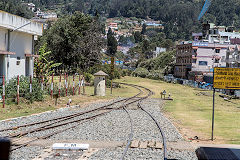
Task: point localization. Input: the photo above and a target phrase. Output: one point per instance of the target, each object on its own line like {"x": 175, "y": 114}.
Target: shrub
{"x": 115, "y": 85}
{"x": 107, "y": 69}
{"x": 88, "y": 77}
{"x": 126, "y": 72}
{"x": 24, "y": 89}
{"x": 140, "y": 72}
{"x": 155, "y": 74}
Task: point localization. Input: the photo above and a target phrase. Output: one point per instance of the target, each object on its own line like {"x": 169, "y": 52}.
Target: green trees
{"x": 42, "y": 66}
{"x": 138, "y": 37}
{"x": 144, "y": 28}
{"x": 15, "y": 7}
{"x": 111, "y": 51}
{"x": 111, "y": 43}
{"x": 75, "y": 41}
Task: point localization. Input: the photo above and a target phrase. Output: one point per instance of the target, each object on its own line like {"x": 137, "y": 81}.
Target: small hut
{"x": 99, "y": 83}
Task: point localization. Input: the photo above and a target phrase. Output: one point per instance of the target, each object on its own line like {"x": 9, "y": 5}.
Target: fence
{"x": 55, "y": 86}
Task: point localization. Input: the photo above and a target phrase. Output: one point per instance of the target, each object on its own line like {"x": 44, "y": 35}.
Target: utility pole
{"x": 112, "y": 72}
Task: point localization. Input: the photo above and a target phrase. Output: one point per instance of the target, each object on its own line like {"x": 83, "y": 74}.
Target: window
{"x": 18, "y": 61}
{"x": 203, "y": 63}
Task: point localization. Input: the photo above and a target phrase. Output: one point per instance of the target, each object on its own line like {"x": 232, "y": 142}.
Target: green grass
{"x": 24, "y": 108}
{"x": 193, "y": 112}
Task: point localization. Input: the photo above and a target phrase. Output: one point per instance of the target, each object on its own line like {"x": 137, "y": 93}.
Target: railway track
{"x": 18, "y": 140}
{"x": 61, "y": 121}
{"x": 149, "y": 114}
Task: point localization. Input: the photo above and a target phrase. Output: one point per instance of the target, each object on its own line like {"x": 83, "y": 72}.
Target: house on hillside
{"x": 17, "y": 36}
{"x": 31, "y": 6}
{"x": 158, "y": 50}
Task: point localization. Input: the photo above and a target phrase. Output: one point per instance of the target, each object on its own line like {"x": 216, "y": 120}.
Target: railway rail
{"x": 149, "y": 114}
{"x": 53, "y": 122}
{"x": 69, "y": 119}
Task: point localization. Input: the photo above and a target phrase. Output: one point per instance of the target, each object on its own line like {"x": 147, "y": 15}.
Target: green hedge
{"x": 140, "y": 72}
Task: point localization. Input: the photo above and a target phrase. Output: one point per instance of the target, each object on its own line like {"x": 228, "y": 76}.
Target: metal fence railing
{"x": 27, "y": 87}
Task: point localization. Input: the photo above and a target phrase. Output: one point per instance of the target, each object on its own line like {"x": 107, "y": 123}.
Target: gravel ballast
{"x": 141, "y": 154}
{"x": 113, "y": 126}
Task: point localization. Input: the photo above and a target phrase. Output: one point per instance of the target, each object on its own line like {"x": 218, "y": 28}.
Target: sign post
{"x": 213, "y": 113}
{"x": 224, "y": 78}
{"x": 112, "y": 71}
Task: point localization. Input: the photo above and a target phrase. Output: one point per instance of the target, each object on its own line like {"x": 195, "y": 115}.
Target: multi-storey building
{"x": 208, "y": 50}
{"x": 183, "y": 60}
{"x": 196, "y": 58}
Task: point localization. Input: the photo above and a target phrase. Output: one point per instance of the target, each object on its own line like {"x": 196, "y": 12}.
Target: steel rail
{"x": 69, "y": 116}
{"x": 51, "y": 134}
{"x": 156, "y": 122}
{"x": 88, "y": 118}
{"x": 45, "y": 127}
{"x": 130, "y": 135}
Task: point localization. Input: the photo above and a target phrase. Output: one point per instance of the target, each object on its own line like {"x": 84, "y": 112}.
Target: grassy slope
{"x": 193, "y": 112}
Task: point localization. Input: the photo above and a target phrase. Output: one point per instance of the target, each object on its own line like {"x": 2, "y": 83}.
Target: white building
{"x": 99, "y": 83}
{"x": 17, "y": 45}
{"x": 31, "y": 6}
{"x": 49, "y": 15}
{"x": 220, "y": 34}
{"x": 158, "y": 51}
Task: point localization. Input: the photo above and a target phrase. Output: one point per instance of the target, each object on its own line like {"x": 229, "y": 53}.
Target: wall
{"x": 3, "y": 39}
{"x": 21, "y": 44}
{"x": 1, "y": 65}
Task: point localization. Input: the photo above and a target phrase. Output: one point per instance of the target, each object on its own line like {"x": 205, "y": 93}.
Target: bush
{"x": 140, "y": 72}
{"x": 126, "y": 72}
{"x": 155, "y": 74}
{"x": 24, "y": 89}
{"x": 107, "y": 69}
{"x": 88, "y": 77}
{"x": 115, "y": 85}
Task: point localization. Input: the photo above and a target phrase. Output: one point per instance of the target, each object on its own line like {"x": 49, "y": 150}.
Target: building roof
{"x": 100, "y": 73}
{"x": 12, "y": 22}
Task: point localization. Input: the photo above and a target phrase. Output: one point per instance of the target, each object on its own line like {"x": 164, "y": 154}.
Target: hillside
{"x": 179, "y": 17}
{"x": 15, "y": 7}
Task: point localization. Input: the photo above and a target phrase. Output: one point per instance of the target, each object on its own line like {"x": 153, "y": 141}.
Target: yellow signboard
{"x": 226, "y": 78}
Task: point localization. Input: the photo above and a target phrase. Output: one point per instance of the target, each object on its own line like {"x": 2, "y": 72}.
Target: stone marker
{"x": 99, "y": 83}
{"x": 135, "y": 144}
{"x": 72, "y": 146}
{"x": 143, "y": 144}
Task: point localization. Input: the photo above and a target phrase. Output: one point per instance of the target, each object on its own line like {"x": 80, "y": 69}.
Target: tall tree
{"x": 112, "y": 50}
{"x": 111, "y": 43}
{"x": 144, "y": 28}
{"x": 75, "y": 40}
